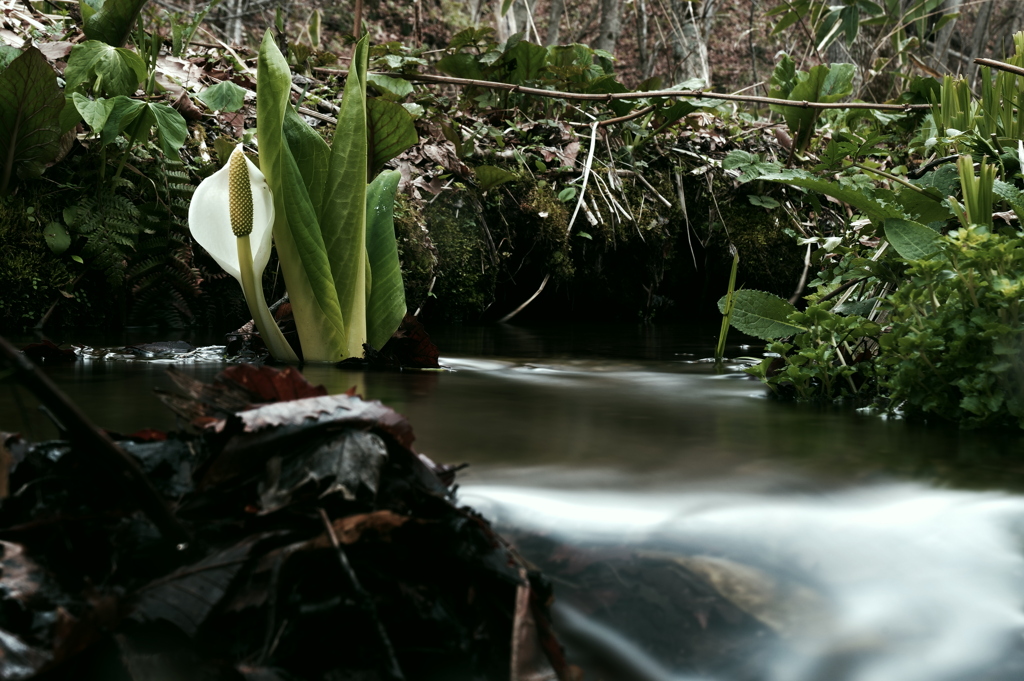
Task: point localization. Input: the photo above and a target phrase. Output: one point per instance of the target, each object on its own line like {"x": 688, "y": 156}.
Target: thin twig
{"x": 803, "y": 277}
{"x": 671, "y": 94}
{"x": 1001, "y": 65}
{"x": 529, "y": 300}
{"x": 586, "y": 175}
{"x": 366, "y": 600}
{"x": 643, "y": 180}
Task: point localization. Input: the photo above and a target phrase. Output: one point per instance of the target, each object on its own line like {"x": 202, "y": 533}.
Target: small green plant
{"x": 822, "y": 83}
{"x": 956, "y": 347}
{"x": 109, "y": 225}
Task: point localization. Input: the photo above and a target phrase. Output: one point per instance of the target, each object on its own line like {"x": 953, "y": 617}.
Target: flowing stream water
{"x": 653, "y": 489}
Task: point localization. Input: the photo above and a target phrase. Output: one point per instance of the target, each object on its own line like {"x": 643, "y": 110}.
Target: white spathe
{"x": 209, "y": 219}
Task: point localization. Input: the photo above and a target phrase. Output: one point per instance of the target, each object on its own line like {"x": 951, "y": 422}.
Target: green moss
{"x": 770, "y": 259}
{"x": 31, "y": 276}
{"x": 465, "y": 268}
{"x": 416, "y": 252}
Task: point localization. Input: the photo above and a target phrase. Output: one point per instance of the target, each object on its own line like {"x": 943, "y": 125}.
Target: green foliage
{"x": 184, "y": 26}
{"x": 760, "y": 314}
{"x": 224, "y": 96}
{"x": 830, "y": 21}
{"x": 30, "y": 106}
{"x": 104, "y": 70}
{"x": 821, "y": 362}
{"x": 31, "y": 275}
{"x": 488, "y": 177}
{"x": 325, "y": 242}
{"x": 825, "y": 84}
{"x": 109, "y": 224}
{"x": 922, "y": 322}
{"x": 390, "y": 132}
{"x": 110, "y": 21}
{"x": 911, "y": 240}
{"x": 57, "y": 237}
{"x": 109, "y": 118}
{"x": 164, "y": 282}
{"x": 385, "y": 305}
{"x": 957, "y": 339}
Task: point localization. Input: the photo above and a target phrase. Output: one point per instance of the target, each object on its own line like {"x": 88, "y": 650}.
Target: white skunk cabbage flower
{"x": 232, "y": 217}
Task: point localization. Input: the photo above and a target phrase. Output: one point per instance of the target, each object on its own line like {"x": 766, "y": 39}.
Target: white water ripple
{"x": 920, "y": 584}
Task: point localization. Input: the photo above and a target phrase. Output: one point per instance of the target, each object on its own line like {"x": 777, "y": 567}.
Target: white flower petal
{"x": 209, "y": 220}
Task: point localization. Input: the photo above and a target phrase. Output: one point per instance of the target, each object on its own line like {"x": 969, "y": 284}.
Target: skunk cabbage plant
{"x": 231, "y": 216}
{"x": 334, "y": 232}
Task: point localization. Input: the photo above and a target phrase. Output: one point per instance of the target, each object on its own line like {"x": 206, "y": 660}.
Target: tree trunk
{"x": 943, "y": 39}
{"x": 505, "y": 26}
{"x": 640, "y": 6}
{"x": 522, "y": 10}
{"x": 611, "y": 25}
{"x": 690, "y": 29}
{"x": 979, "y": 38}
{"x": 554, "y": 21}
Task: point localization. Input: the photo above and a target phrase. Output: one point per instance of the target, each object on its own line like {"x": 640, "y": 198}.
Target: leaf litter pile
{"x": 302, "y": 538}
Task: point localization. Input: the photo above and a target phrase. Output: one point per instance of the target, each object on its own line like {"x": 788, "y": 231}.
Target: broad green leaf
{"x": 761, "y": 314}
{"x": 869, "y": 206}
{"x": 57, "y": 237}
{"x": 113, "y": 22}
{"x": 171, "y": 129}
{"x": 123, "y": 112}
{"x": 391, "y": 131}
{"x": 738, "y": 158}
{"x": 109, "y": 71}
{"x": 821, "y": 84}
{"x": 488, "y": 177}
{"x": 529, "y": 59}
{"x": 460, "y": 65}
{"x": 606, "y": 85}
{"x": 783, "y": 78}
{"x": 912, "y": 240}
{"x": 395, "y": 89}
{"x": 505, "y": 5}
{"x": 343, "y": 216}
{"x": 30, "y": 107}
{"x": 925, "y": 207}
{"x": 838, "y": 82}
{"x": 69, "y": 116}
{"x": 311, "y": 154}
{"x": 93, "y": 111}
{"x": 224, "y": 96}
{"x": 89, "y": 8}
{"x": 300, "y": 245}
{"x": 385, "y": 304}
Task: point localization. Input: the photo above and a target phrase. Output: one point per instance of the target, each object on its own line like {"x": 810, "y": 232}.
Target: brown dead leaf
{"x": 186, "y": 107}
{"x": 375, "y": 526}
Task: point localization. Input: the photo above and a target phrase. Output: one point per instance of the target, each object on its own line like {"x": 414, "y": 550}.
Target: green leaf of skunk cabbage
{"x": 300, "y": 246}
{"x": 343, "y": 217}
{"x": 385, "y": 301}
{"x": 113, "y": 22}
